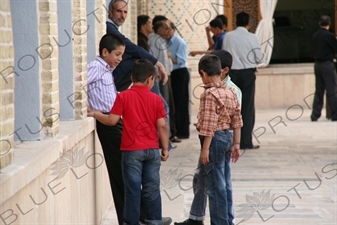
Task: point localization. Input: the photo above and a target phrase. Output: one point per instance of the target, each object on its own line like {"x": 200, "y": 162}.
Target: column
{"x": 49, "y": 73}
{"x": 79, "y": 29}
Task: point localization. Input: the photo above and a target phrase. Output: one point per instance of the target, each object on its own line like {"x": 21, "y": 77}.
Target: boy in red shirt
{"x": 144, "y": 116}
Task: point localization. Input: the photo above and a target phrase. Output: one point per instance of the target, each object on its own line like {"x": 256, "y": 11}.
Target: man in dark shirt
{"x": 144, "y": 28}
{"x": 118, "y": 10}
{"x": 325, "y": 48}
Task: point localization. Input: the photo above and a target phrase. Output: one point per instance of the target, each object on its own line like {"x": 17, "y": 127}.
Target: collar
{"x": 242, "y": 29}
{"x": 110, "y": 21}
{"x": 210, "y": 85}
{"x": 227, "y": 78}
{"x": 140, "y": 87}
{"x": 104, "y": 64}
{"x": 172, "y": 38}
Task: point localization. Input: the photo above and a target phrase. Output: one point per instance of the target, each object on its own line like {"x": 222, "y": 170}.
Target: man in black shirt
{"x": 325, "y": 48}
{"x": 144, "y": 28}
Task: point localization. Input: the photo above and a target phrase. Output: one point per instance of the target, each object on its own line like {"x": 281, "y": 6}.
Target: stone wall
{"x": 59, "y": 176}
{"x": 6, "y": 85}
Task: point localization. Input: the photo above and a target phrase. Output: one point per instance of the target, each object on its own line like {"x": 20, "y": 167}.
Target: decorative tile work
{"x": 248, "y": 6}
{"x": 190, "y": 17}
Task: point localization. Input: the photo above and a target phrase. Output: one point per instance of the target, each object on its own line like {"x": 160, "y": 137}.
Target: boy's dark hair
{"x": 223, "y": 19}
{"x": 324, "y": 21}
{"x": 210, "y": 64}
{"x": 110, "y": 42}
{"x": 216, "y": 23}
{"x": 158, "y": 25}
{"x": 141, "y": 20}
{"x": 158, "y": 18}
{"x": 142, "y": 69}
{"x": 225, "y": 57}
{"x": 242, "y": 19}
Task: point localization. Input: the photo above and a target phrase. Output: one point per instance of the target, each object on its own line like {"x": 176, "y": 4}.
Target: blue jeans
{"x": 214, "y": 180}
{"x": 155, "y": 89}
{"x": 142, "y": 184}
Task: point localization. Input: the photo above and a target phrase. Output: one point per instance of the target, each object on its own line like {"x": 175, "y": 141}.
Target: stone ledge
{"x": 287, "y": 69}
{"x": 31, "y": 158}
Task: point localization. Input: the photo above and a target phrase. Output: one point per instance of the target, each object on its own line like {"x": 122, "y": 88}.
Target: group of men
{"x": 159, "y": 39}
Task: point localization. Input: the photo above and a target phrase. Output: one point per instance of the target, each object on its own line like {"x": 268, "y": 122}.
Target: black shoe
{"x": 183, "y": 137}
{"x": 175, "y": 139}
{"x": 166, "y": 221}
{"x": 252, "y": 148}
{"x": 190, "y": 222}
{"x": 313, "y": 119}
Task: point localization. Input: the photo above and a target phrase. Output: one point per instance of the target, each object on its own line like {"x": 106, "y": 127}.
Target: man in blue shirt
{"x": 180, "y": 78}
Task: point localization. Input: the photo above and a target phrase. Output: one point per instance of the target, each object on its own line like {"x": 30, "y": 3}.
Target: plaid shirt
{"x": 219, "y": 110}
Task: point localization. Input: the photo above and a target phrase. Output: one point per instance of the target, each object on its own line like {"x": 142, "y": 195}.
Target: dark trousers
{"x": 245, "y": 80}
{"x": 180, "y": 79}
{"x": 172, "y": 109}
{"x": 110, "y": 138}
{"x": 325, "y": 80}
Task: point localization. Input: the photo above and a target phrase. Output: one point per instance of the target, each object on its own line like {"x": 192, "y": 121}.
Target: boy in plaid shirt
{"x": 219, "y": 111}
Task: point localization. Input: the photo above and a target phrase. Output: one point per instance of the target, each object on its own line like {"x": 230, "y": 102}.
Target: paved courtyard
{"x": 291, "y": 179}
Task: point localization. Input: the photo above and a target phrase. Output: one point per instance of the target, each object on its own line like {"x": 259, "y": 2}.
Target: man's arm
{"x": 258, "y": 53}
{"x": 194, "y": 53}
{"x": 135, "y": 51}
{"x": 181, "y": 54}
{"x": 158, "y": 50}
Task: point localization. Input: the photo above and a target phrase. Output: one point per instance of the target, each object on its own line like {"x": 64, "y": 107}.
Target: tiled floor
{"x": 291, "y": 179}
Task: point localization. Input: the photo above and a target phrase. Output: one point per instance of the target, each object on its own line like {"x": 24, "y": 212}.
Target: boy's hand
{"x": 91, "y": 113}
{"x": 164, "y": 155}
{"x": 204, "y": 156}
{"x": 235, "y": 153}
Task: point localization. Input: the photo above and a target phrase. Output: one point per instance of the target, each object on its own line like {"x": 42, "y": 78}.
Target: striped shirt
{"x": 233, "y": 87}
{"x": 101, "y": 87}
{"x": 219, "y": 110}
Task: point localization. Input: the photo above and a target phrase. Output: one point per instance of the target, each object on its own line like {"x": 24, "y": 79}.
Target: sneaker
{"x": 190, "y": 222}
{"x": 167, "y": 220}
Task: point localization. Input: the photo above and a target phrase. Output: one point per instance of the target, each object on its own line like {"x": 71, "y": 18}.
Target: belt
{"x": 325, "y": 60}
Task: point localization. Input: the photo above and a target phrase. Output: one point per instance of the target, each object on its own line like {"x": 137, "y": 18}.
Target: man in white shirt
{"x": 246, "y": 51}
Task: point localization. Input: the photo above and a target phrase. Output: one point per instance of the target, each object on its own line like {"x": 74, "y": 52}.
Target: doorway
{"x": 295, "y": 21}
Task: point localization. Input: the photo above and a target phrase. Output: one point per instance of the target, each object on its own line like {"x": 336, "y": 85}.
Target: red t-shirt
{"x": 140, "y": 110}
